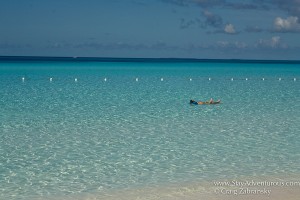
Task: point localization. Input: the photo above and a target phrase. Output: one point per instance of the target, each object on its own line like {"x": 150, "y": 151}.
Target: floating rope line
{"x": 190, "y": 79}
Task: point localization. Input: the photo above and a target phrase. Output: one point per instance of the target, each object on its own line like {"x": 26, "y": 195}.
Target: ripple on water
{"x": 62, "y": 137}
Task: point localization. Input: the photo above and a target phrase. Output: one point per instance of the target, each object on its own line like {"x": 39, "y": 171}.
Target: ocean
{"x": 83, "y": 130}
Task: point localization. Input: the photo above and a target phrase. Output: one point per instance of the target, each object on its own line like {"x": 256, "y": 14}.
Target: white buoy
{"x": 23, "y": 79}
{"x": 231, "y": 79}
{"x": 105, "y": 79}
{"x": 263, "y": 79}
{"x": 246, "y": 79}
{"x": 161, "y": 79}
{"x": 191, "y": 79}
{"x": 209, "y": 79}
{"x": 75, "y": 79}
{"x": 295, "y": 79}
{"x": 136, "y": 79}
{"x": 50, "y": 79}
{"x": 279, "y": 79}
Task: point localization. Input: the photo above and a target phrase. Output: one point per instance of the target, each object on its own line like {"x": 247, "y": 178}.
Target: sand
{"x": 206, "y": 191}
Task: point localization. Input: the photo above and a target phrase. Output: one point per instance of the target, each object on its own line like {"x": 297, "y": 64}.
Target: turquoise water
{"x": 62, "y": 137}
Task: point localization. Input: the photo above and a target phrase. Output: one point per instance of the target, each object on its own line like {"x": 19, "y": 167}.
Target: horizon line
{"x": 137, "y": 59}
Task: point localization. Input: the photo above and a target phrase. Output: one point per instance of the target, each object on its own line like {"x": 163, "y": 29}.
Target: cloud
{"x": 201, "y": 3}
{"x": 207, "y": 3}
{"x": 212, "y": 19}
{"x": 246, "y": 6}
{"x": 290, "y": 24}
{"x": 184, "y": 24}
{"x": 110, "y": 46}
{"x": 177, "y": 2}
{"x": 115, "y": 46}
{"x": 229, "y": 28}
{"x": 254, "y": 5}
{"x": 274, "y": 43}
{"x": 232, "y": 45}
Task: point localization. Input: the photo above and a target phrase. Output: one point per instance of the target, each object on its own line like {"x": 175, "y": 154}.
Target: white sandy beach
{"x": 288, "y": 190}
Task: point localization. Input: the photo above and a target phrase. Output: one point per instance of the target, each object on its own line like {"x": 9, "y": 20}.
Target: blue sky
{"x": 230, "y": 29}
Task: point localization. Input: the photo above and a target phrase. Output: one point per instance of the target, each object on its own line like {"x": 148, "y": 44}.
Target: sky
{"x": 204, "y": 29}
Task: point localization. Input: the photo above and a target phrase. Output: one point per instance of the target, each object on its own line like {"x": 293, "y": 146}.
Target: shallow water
{"x": 65, "y": 137}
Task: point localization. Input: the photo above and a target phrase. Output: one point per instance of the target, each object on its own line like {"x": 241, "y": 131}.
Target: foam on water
{"x": 64, "y": 137}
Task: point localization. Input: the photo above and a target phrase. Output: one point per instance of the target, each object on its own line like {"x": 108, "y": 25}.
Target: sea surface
{"x": 77, "y": 128}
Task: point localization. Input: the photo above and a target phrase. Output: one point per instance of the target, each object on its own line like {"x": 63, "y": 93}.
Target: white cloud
{"x": 274, "y": 42}
{"x": 229, "y": 28}
{"x": 290, "y": 24}
{"x": 233, "y": 45}
{"x": 223, "y": 44}
{"x": 240, "y": 45}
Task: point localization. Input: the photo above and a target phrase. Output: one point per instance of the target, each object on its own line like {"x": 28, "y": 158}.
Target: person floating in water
{"x": 211, "y": 101}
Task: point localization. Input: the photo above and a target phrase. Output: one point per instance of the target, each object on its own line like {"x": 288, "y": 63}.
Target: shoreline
{"x": 202, "y": 190}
